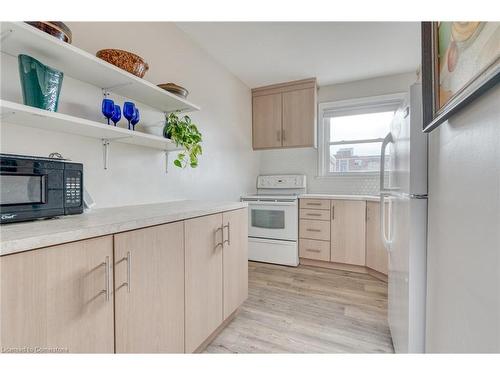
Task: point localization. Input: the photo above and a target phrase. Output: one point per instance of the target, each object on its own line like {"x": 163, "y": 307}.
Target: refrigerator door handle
{"x": 386, "y": 240}
{"x": 388, "y": 139}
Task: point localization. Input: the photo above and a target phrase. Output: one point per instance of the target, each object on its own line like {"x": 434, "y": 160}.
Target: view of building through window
{"x": 356, "y": 140}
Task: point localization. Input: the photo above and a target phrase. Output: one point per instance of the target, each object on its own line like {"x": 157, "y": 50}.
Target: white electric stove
{"x": 273, "y": 219}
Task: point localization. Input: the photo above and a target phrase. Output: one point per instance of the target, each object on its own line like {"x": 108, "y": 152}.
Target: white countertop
{"x": 17, "y": 237}
{"x": 373, "y": 198}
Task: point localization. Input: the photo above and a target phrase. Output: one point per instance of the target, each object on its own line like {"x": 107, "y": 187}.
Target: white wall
{"x": 464, "y": 230}
{"x": 305, "y": 160}
{"x": 228, "y": 166}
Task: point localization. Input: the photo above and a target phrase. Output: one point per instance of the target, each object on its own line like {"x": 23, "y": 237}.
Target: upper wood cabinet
{"x": 59, "y": 298}
{"x": 284, "y": 115}
{"x": 149, "y": 290}
{"x": 266, "y": 112}
{"x": 376, "y": 255}
{"x": 348, "y": 232}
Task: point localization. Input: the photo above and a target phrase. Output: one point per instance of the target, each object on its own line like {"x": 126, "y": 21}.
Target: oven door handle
{"x": 270, "y": 203}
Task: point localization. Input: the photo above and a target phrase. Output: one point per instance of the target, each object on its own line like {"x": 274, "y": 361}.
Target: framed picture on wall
{"x": 460, "y": 61}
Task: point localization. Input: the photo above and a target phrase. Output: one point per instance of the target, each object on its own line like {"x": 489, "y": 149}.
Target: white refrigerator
{"x": 403, "y": 190}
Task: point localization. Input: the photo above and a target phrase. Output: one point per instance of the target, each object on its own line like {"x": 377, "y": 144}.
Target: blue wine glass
{"x": 136, "y": 118}
{"x": 108, "y": 108}
{"x": 128, "y": 111}
{"x": 117, "y": 114}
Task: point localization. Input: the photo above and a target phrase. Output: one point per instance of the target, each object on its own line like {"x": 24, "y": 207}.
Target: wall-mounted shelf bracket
{"x": 106, "y": 91}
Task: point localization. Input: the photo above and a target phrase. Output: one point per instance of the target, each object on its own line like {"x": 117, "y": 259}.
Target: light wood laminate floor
{"x": 308, "y": 310}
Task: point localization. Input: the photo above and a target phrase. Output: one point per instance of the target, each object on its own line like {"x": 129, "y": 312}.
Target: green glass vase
{"x": 40, "y": 83}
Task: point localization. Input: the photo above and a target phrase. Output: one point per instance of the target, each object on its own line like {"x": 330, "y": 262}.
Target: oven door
{"x": 273, "y": 220}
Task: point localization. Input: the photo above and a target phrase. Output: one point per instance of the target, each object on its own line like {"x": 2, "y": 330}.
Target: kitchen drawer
{"x": 316, "y": 204}
{"x": 314, "y": 249}
{"x": 307, "y": 213}
{"x": 314, "y": 229}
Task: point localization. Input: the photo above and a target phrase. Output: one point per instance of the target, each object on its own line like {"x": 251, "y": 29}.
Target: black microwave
{"x": 36, "y": 188}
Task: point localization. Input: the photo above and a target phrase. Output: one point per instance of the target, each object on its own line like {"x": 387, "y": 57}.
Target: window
{"x": 351, "y": 135}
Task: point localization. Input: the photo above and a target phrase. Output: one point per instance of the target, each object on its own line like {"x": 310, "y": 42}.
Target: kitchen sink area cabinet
{"x": 58, "y": 299}
{"x": 348, "y": 232}
{"x": 284, "y": 115}
{"x": 149, "y": 289}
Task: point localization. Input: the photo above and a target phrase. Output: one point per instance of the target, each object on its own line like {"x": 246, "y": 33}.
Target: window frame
{"x": 359, "y": 106}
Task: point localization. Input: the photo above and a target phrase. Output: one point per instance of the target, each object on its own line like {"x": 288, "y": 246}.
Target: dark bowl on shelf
{"x": 125, "y": 60}
{"x": 174, "y": 89}
{"x": 55, "y": 28}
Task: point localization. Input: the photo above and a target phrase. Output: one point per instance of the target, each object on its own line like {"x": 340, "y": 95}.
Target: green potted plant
{"x": 185, "y": 134}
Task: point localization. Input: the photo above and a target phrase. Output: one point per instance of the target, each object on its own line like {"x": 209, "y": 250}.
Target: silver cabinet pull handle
{"x": 313, "y": 214}
{"x": 333, "y": 212}
{"x": 106, "y": 291}
{"x": 313, "y": 250}
{"x": 228, "y": 234}
{"x": 217, "y": 244}
{"x": 313, "y": 204}
{"x": 313, "y": 230}
{"x": 129, "y": 265}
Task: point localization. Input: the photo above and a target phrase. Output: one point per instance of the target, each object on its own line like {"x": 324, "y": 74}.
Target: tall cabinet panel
{"x": 59, "y": 298}
{"x": 149, "y": 290}
{"x": 376, "y": 254}
{"x": 203, "y": 278}
{"x": 348, "y": 232}
{"x": 235, "y": 259}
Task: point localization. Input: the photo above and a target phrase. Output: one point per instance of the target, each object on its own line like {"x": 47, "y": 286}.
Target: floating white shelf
{"x": 24, "y": 115}
{"x": 21, "y": 38}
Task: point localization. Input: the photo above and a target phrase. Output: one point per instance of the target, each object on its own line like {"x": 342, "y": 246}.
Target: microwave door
{"x": 23, "y": 189}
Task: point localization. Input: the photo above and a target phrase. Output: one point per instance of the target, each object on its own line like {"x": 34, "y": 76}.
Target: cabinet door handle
{"x": 313, "y": 204}
{"x": 129, "y": 269}
{"x": 333, "y": 212}
{"x": 278, "y": 135}
{"x": 313, "y": 250}
{"x": 217, "y": 244}
{"x": 309, "y": 214}
{"x": 106, "y": 291}
{"x": 228, "y": 234}
{"x": 313, "y": 230}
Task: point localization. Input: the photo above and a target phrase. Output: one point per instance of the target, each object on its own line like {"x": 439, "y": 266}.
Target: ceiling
{"x": 261, "y": 53}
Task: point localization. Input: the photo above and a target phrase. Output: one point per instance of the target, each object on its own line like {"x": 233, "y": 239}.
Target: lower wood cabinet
{"x": 348, "y": 232}
{"x": 235, "y": 259}
{"x": 376, "y": 254}
{"x": 204, "y": 294}
{"x": 216, "y": 272}
{"x": 59, "y": 298}
{"x": 149, "y": 290}
{"x": 160, "y": 289}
